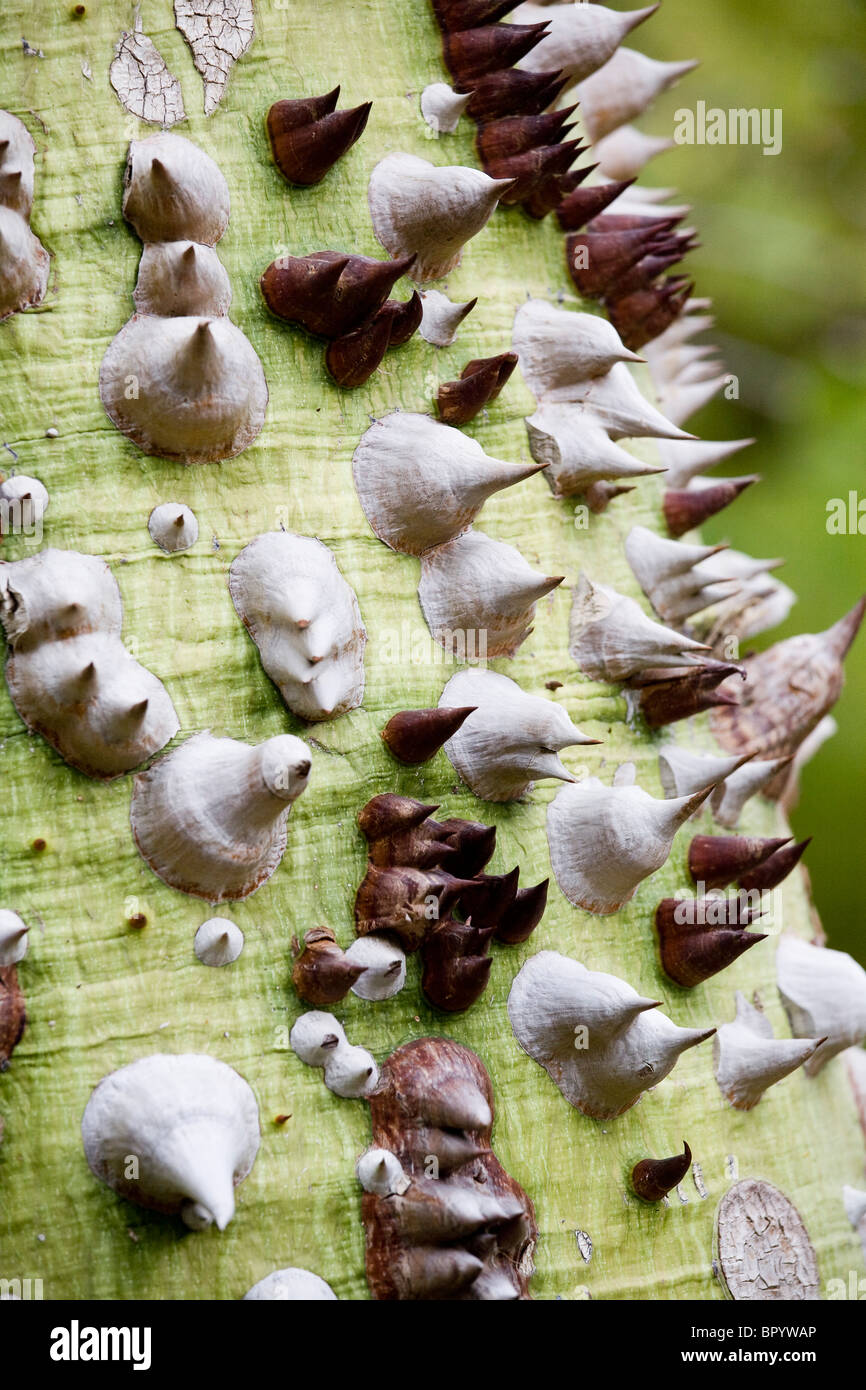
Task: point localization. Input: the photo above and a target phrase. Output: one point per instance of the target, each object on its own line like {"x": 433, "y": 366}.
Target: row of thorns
{"x": 618, "y": 259}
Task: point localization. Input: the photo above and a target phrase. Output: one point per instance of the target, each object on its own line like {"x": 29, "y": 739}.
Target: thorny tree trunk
{"x": 101, "y": 991}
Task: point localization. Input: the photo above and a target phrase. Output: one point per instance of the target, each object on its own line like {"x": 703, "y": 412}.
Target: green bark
{"x": 101, "y": 994}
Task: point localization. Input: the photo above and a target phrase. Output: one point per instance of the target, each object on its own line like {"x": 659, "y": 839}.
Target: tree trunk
{"x": 102, "y": 992}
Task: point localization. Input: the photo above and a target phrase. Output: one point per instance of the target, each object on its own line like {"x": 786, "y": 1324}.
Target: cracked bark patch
{"x": 143, "y": 83}
{"x": 218, "y": 32}
{"x": 764, "y": 1250}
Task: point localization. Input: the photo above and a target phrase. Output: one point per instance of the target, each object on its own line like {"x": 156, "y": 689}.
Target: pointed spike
{"x": 475, "y": 844}
{"x": 304, "y": 151}
{"x": 693, "y": 950}
{"x": 454, "y": 15}
{"x": 779, "y": 709}
{"x": 451, "y": 982}
{"x": 487, "y": 897}
{"x": 583, "y": 204}
{"x": 666, "y": 701}
{"x": 160, "y": 172}
{"x": 771, "y": 872}
{"x": 516, "y": 134}
{"x": 513, "y": 92}
{"x": 653, "y": 1178}
{"x": 330, "y": 293}
{"x": 687, "y": 460}
{"x": 717, "y": 860}
{"x": 414, "y": 736}
{"x": 683, "y": 772}
{"x": 298, "y": 111}
{"x": 322, "y": 973}
{"x": 693, "y": 1037}
{"x": 533, "y": 169}
{"x": 480, "y": 382}
{"x": 623, "y": 88}
{"x": 405, "y": 317}
{"x": 674, "y": 813}
{"x": 519, "y": 921}
{"x": 687, "y": 508}
{"x": 388, "y": 814}
{"x": 352, "y": 359}
{"x": 473, "y": 53}
{"x": 840, "y": 636}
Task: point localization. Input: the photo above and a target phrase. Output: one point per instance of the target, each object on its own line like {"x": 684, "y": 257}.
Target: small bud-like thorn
{"x": 414, "y": 736}
{"x": 773, "y": 870}
{"x": 693, "y": 950}
{"x": 686, "y": 508}
{"x": 519, "y": 921}
{"x": 308, "y": 136}
{"x": 160, "y": 174}
{"x": 330, "y": 293}
{"x": 480, "y": 382}
{"x": 517, "y": 134}
{"x": 513, "y": 92}
{"x": 717, "y": 860}
{"x": 654, "y": 1178}
{"x": 322, "y": 974}
{"x": 473, "y": 53}
{"x": 599, "y": 495}
{"x": 584, "y": 204}
{"x": 86, "y": 682}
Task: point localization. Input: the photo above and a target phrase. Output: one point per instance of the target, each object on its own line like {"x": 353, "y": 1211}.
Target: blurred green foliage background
{"x": 783, "y": 258}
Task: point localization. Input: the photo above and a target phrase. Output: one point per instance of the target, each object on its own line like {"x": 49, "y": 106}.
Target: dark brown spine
{"x": 413, "y": 736}
{"x": 480, "y": 382}
{"x": 718, "y": 860}
{"x": 653, "y": 1178}
{"x": 473, "y": 53}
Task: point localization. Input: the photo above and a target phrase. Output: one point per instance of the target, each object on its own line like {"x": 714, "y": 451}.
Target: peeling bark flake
{"x": 218, "y": 32}
{"x": 584, "y": 1245}
{"x": 763, "y": 1247}
{"x": 143, "y": 83}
